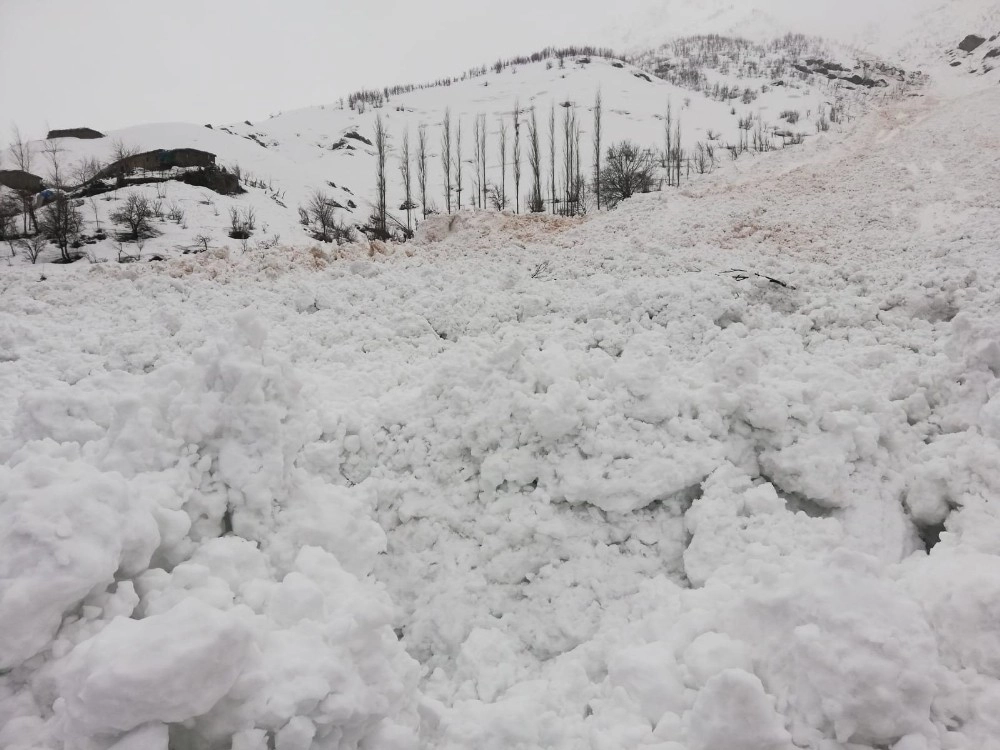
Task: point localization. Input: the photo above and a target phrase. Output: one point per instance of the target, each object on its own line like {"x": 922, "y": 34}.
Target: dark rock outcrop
{"x": 970, "y": 43}
{"x": 83, "y": 133}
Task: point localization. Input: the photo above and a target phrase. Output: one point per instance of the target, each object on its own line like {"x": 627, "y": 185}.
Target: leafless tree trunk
{"x": 503, "y": 161}
{"x": 579, "y": 187}
{"x": 668, "y": 154}
{"x": 406, "y": 174}
{"x": 517, "y": 156}
{"x": 535, "y": 204}
{"x": 446, "y": 157}
{"x": 481, "y": 145}
{"x": 422, "y": 167}
{"x": 478, "y": 169}
{"x": 598, "y": 116}
{"x": 678, "y": 152}
{"x": 381, "y": 154}
{"x": 458, "y": 163}
{"x": 552, "y": 156}
{"x": 569, "y": 161}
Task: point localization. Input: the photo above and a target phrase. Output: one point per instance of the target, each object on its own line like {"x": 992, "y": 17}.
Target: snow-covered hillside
{"x": 914, "y": 32}
{"x": 285, "y": 159}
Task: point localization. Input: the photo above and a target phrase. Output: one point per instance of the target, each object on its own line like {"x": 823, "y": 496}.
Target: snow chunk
{"x": 65, "y": 530}
{"x": 734, "y": 712}
{"x": 651, "y": 676}
{"x": 169, "y": 667}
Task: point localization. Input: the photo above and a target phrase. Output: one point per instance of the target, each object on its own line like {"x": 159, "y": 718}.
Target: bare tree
{"x": 535, "y": 202}
{"x": 477, "y": 164}
{"x": 570, "y": 191}
{"x": 20, "y": 151}
{"x": 136, "y": 215}
{"x": 406, "y": 174}
{"x": 628, "y": 170}
{"x": 446, "y": 157}
{"x": 668, "y": 152}
{"x": 552, "y": 156}
{"x": 61, "y": 219}
{"x": 120, "y": 155}
{"x": 422, "y": 167}
{"x": 502, "y": 152}
{"x": 381, "y": 155}
{"x": 319, "y": 211}
{"x": 32, "y": 246}
{"x": 10, "y": 209}
{"x": 86, "y": 170}
{"x": 481, "y": 147}
{"x": 598, "y": 117}
{"x": 458, "y": 163}
{"x": 678, "y": 153}
{"x": 517, "y": 156}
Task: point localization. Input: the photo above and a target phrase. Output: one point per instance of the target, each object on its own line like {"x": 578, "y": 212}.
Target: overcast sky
{"x": 111, "y": 63}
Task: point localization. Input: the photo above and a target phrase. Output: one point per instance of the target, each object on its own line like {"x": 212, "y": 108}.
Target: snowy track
{"x": 605, "y": 490}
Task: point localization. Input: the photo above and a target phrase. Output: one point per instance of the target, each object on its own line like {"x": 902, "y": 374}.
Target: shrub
{"x": 628, "y": 170}
{"x": 135, "y": 215}
{"x": 242, "y": 222}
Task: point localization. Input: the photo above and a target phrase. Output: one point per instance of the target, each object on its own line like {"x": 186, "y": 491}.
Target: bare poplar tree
{"x": 552, "y": 155}
{"x": 569, "y": 160}
{"x": 598, "y": 117}
{"x": 502, "y": 152}
{"x": 422, "y": 167}
{"x": 478, "y": 167}
{"x": 517, "y": 156}
{"x": 458, "y": 163}
{"x": 678, "y": 152}
{"x": 481, "y": 146}
{"x": 668, "y": 154}
{"x": 446, "y": 157}
{"x": 535, "y": 203}
{"x": 406, "y": 174}
{"x": 580, "y": 186}
{"x": 381, "y": 155}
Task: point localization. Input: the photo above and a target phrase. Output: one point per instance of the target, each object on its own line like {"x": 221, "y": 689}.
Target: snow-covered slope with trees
{"x": 720, "y": 91}
{"x": 914, "y": 32}
{"x": 715, "y": 469}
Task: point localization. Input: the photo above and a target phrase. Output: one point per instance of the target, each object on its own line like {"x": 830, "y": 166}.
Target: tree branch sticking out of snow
{"x": 739, "y": 274}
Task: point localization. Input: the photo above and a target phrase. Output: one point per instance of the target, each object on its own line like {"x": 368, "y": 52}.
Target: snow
{"x": 528, "y": 481}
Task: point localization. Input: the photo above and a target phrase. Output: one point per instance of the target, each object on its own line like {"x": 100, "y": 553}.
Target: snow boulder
{"x": 66, "y": 529}
{"x": 169, "y": 668}
{"x": 733, "y": 712}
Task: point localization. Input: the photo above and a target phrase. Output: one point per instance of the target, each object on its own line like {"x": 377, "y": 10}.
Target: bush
{"x": 242, "y": 223}
{"x": 135, "y": 215}
{"x": 628, "y": 170}
{"x": 790, "y": 115}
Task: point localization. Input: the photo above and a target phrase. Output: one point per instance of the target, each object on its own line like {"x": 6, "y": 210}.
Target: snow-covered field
{"x": 715, "y": 470}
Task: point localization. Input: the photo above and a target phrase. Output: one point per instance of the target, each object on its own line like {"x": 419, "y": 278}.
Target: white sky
{"x": 112, "y": 63}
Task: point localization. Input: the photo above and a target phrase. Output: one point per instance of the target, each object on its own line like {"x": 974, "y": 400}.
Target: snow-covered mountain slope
{"x": 717, "y": 469}
{"x": 285, "y": 159}
{"x": 913, "y": 32}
